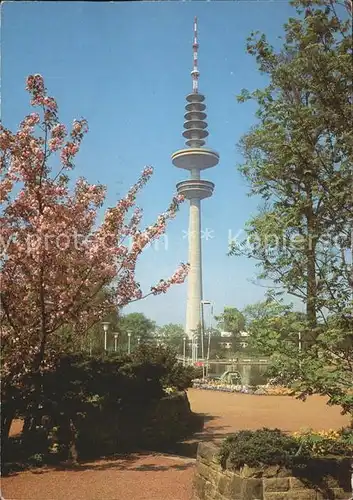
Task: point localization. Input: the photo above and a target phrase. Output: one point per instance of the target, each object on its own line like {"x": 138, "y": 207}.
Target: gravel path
{"x": 135, "y": 478}
{"x": 163, "y": 477}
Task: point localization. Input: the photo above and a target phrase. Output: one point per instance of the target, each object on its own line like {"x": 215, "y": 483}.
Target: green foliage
{"x": 175, "y": 374}
{"x": 266, "y": 447}
{"x": 276, "y": 325}
{"x": 172, "y": 335}
{"x": 138, "y": 325}
{"x": 231, "y": 320}
{"x": 298, "y": 158}
{"x": 94, "y": 404}
{"x": 258, "y": 448}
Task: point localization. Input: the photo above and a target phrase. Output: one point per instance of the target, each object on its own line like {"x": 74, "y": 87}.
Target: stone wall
{"x": 320, "y": 480}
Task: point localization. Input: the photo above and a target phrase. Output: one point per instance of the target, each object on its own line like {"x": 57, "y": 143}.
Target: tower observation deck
{"x": 195, "y": 158}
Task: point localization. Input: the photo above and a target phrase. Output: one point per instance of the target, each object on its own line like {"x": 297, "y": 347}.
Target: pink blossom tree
{"x": 55, "y": 257}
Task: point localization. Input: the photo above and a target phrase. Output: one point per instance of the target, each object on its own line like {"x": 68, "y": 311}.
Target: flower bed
{"x": 259, "y": 390}
{"x": 326, "y": 442}
{"x": 273, "y": 465}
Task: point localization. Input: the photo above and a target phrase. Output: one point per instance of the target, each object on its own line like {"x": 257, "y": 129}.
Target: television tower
{"x": 195, "y": 157}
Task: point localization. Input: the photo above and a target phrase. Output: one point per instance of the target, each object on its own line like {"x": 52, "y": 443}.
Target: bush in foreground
{"x": 100, "y": 405}
{"x": 267, "y": 447}
{"x": 260, "y": 447}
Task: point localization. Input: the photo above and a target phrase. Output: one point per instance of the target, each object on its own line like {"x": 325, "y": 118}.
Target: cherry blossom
{"x": 55, "y": 256}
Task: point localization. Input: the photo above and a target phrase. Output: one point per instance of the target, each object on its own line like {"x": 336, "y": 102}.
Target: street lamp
{"x": 194, "y": 349}
{"x": 138, "y": 340}
{"x": 116, "y": 336}
{"x": 184, "y": 350}
{"x": 105, "y": 328}
{"x": 202, "y": 303}
{"x": 128, "y": 342}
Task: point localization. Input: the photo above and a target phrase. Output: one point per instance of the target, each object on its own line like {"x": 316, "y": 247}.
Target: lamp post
{"x": 106, "y": 328}
{"x": 203, "y": 303}
{"x": 129, "y": 342}
{"x": 195, "y": 349}
{"x": 184, "y": 350}
{"x": 202, "y": 336}
{"x": 116, "y": 336}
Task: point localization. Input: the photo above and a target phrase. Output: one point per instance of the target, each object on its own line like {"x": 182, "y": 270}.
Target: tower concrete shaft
{"x": 194, "y": 294}
{"x": 195, "y": 158}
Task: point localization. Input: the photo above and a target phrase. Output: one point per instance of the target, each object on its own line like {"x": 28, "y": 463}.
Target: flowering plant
{"x": 54, "y": 257}
{"x": 326, "y": 442}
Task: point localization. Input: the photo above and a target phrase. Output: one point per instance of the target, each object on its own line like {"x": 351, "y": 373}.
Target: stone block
{"x": 236, "y": 488}
{"x": 297, "y": 483}
{"x": 301, "y": 495}
{"x": 250, "y": 472}
{"x": 223, "y": 484}
{"x": 198, "y": 486}
{"x": 207, "y": 451}
{"x": 203, "y": 489}
{"x": 218, "y": 496}
{"x": 205, "y": 471}
{"x": 282, "y": 495}
{"x": 323, "y": 495}
{"x": 216, "y": 466}
{"x": 276, "y": 484}
{"x": 251, "y": 489}
{"x": 275, "y": 471}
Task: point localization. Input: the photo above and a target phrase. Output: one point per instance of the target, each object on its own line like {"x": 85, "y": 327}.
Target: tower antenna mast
{"x": 195, "y": 72}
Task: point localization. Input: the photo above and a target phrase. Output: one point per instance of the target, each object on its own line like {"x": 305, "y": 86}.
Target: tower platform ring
{"x": 195, "y": 115}
{"x": 195, "y": 124}
{"x": 199, "y": 158}
{"x": 195, "y": 106}
{"x": 195, "y": 97}
{"x": 195, "y": 133}
{"x": 195, "y": 189}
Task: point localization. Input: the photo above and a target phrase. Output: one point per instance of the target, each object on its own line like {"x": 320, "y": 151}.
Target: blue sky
{"x": 126, "y": 68}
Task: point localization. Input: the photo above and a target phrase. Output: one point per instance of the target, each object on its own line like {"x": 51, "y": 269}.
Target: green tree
{"x": 172, "y": 335}
{"x": 298, "y": 159}
{"x": 138, "y": 325}
{"x": 233, "y": 321}
{"x": 271, "y": 323}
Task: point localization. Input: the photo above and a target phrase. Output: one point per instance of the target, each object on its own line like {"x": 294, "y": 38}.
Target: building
{"x": 226, "y": 343}
{"x": 195, "y": 158}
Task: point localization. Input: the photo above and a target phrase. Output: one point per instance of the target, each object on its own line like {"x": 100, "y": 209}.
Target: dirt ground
{"x": 163, "y": 477}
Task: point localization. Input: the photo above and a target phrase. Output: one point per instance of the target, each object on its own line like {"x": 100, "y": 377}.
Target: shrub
{"x": 175, "y": 374}
{"x": 97, "y": 404}
{"x": 258, "y": 448}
